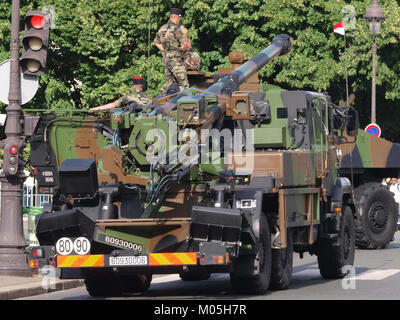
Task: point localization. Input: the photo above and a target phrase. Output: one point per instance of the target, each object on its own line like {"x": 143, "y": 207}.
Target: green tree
{"x": 318, "y": 60}
{"x": 98, "y": 45}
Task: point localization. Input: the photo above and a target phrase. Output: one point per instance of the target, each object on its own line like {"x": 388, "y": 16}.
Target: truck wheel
{"x": 102, "y": 282}
{"x": 243, "y": 279}
{"x": 282, "y": 265}
{"x": 194, "y": 276}
{"x": 135, "y": 283}
{"x": 377, "y": 215}
{"x": 333, "y": 256}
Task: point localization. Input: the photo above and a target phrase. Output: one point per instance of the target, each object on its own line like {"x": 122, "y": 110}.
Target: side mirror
{"x": 352, "y": 123}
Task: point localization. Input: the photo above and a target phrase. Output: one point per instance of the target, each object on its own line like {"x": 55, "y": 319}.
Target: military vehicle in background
{"x": 366, "y": 160}
{"x": 247, "y": 178}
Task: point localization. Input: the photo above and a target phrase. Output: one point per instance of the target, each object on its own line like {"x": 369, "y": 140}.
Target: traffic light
{"x": 11, "y": 159}
{"x": 35, "y": 42}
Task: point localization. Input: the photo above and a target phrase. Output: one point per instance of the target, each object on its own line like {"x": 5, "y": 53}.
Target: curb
{"x": 33, "y": 289}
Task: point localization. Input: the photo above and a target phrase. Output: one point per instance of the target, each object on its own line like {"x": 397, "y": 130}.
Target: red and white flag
{"x": 339, "y": 28}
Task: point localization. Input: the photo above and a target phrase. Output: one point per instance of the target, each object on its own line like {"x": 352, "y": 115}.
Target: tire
{"x": 108, "y": 283}
{"x": 377, "y": 215}
{"x": 194, "y": 276}
{"x": 135, "y": 283}
{"x": 102, "y": 282}
{"x": 243, "y": 279}
{"x": 282, "y": 265}
{"x": 332, "y": 257}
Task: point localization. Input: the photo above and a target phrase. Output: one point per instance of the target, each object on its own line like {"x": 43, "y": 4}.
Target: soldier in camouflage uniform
{"x": 137, "y": 96}
{"x": 169, "y": 40}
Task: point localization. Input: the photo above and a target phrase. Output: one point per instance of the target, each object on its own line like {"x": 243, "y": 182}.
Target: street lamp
{"x": 374, "y": 16}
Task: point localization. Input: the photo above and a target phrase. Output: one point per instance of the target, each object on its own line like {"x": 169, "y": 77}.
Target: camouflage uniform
{"x": 140, "y": 98}
{"x": 172, "y": 38}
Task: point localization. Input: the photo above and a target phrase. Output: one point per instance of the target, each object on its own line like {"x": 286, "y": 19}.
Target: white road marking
{"x": 306, "y": 274}
{"x": 376, "y": 274}
{"x": 175, "y": 277}
{"x": 168, "y": 278}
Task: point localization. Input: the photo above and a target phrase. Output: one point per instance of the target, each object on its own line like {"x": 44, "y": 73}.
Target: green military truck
{"x": 203, "y": 181}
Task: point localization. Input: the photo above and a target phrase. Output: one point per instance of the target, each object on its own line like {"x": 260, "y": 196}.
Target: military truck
{"x": 203, "y": 181}
{"x": 366, "y": 160}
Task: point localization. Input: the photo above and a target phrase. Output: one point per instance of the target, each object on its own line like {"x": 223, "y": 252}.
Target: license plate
{"x": 129, "y": 261}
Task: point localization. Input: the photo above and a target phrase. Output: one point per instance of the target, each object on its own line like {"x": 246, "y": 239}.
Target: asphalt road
{"x": 376, "y": 276}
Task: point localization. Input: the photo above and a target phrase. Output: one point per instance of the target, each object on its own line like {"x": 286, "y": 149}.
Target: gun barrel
{"x": 281, "y": 45}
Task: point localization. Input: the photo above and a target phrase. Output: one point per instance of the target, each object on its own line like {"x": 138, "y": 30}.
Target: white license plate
{"x": 128, "y": 261}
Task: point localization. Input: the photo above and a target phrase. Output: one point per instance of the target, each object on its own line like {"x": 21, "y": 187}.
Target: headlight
{"x": 246, "y": 204}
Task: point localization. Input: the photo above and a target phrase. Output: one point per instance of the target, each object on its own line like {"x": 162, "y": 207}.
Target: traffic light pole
{"x": 13, "y": 260}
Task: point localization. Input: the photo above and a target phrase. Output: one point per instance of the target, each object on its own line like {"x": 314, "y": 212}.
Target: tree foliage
{"x": 98, "y": 45}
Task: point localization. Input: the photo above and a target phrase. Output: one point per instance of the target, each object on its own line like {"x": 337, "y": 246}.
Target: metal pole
{"x": 12, "y": 242}
{"x": 347, "y": 75}
{"x": 373, "y": 94}
{"x": 375, "y": 17}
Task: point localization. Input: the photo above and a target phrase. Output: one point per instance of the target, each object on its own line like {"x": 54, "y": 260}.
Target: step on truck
{"x": 201, "y": 182}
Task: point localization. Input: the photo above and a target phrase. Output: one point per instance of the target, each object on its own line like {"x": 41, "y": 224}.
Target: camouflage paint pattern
{"x": 302, "y": 175}
{"x": 80, "y": 140}
{"x": 299, "y": 207}
{"x": 289, "y": 168}
{"x": 72, "y": 139}
{"x": 369, "y": 151}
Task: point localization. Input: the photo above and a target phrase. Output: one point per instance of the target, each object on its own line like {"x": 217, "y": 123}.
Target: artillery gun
{"x": 203, "y": 181}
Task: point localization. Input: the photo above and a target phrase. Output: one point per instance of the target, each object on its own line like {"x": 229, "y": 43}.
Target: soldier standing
{"x": 170, "y": 39}
{"x": 137, "y": 96}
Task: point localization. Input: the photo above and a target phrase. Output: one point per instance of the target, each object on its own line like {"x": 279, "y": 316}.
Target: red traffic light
{"x": 35, "y": 43}
{"x": 11, "y": 158}
{"x": 13, "y": 150}
{"x": 38, "y": 22}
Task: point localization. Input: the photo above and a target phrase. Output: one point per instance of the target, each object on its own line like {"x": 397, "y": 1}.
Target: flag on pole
{"x": 339, "y": 28}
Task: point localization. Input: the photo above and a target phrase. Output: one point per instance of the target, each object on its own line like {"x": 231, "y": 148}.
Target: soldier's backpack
{"x": 192, "y": 60}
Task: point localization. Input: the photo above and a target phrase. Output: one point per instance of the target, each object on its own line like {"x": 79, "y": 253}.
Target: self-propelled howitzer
{"x": 203, "y": 181}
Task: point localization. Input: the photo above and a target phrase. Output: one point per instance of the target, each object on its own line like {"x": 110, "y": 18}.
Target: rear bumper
{"x": 168, "y": 262}
{"x": 127, "y": 260}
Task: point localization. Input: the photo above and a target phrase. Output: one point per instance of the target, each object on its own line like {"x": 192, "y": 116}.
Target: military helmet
{"x": 192, "y": 60}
